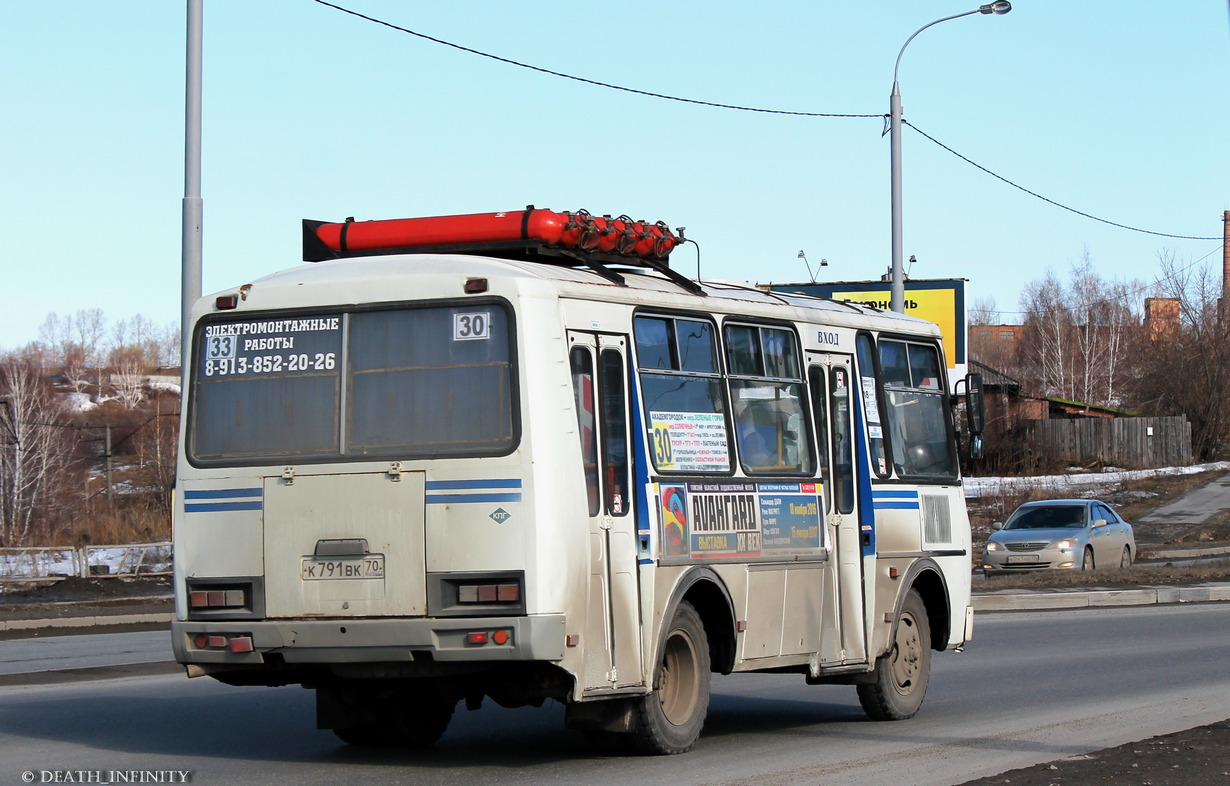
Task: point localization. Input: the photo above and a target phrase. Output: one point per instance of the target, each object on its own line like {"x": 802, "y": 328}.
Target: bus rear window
{"x": 406, "y": 383}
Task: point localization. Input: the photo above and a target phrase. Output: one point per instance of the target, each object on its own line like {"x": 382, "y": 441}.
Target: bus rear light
{"x": 217, "y": 599}
{"x": 232, "y": 642}
{"x": 489, "y": 593}
{"x": 475, "y": 286}
{"x": 241, "y": 644}
{"x": 478, "y": 638}
{"x": 226, "y": 302}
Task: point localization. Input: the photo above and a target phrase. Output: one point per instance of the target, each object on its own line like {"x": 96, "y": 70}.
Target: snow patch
{"x": 1084, "y": 484}
{"x": 77, "y": 402}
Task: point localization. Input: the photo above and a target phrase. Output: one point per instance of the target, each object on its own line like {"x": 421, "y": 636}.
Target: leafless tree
{"x": 1046, "y": 346}
{"x": 984, "y": 312}
{"x": 35, "y": 449}
{"x": 1187, "y": 370}
{"x": 1074, "y": 337}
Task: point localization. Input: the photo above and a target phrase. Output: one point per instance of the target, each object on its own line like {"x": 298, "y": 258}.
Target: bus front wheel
{"x": 669, "y": 719}
{"x": 899, "y": 681}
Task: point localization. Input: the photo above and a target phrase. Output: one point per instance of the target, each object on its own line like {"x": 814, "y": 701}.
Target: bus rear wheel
{"x": 669, "y": 720}
{"x": 899, "y": 681}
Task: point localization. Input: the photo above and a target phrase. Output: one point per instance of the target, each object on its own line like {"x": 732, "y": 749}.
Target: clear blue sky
{"x": 1118, "y": 109}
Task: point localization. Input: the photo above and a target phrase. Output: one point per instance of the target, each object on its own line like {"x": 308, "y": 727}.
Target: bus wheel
{"x": 669, "y": 719}
{"x": 412, "y": 725}
{"x": 899, "y": 681}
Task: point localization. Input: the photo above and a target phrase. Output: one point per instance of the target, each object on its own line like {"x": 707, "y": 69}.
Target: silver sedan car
{"x": 1080, "y": 534}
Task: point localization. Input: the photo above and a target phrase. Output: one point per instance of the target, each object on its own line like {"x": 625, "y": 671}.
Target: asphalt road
{"x": 1032, "y": 687}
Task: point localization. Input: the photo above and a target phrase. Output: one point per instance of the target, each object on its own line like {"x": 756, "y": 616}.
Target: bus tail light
{"x": 224, "y": 598}
{"x": 479, "y": 638}
{"x": 217, "y": 599}
{"x": 230, "y": 642}
{"x": 476, "y": 594}
{"x": 489, "y": 593}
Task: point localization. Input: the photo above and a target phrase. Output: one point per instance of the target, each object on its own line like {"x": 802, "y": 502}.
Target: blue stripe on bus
{"x": 218, "y": 507}
{"x": 877, "y": 494}
{"x": 500, "y": 483}
{"x": 222, "y": 493}
{"x": 895, "y": 505}
{"x": 444, "y": 499}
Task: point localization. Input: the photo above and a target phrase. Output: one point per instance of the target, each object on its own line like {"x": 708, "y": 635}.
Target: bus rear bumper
{"x": 334, "y": 641}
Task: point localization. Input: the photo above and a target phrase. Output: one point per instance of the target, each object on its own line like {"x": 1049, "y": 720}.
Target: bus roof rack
{"x": 569, "y": 239}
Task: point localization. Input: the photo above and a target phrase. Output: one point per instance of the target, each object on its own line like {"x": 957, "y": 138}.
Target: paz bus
{"x": 519, "y": 457}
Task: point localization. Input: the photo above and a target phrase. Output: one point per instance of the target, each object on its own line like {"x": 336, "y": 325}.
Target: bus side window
{"x": 582, "y": 363}
{"x": 843, "y": 439}
{"x": 768, "y": 403}
{"x": 820, "y": 405}
{"x": 872, "y": 408}
{"x": 614, "y": 431}
{"x": 682, "y": 394}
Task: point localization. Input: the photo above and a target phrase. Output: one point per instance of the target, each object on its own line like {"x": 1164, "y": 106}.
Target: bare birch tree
{"x": 37, "y": 450}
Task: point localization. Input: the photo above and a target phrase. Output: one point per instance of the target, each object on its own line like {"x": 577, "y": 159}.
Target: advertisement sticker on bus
{"x": 271, "y": 346}
{"x": 739, "y": 519}
{"x": 690, "y": 441}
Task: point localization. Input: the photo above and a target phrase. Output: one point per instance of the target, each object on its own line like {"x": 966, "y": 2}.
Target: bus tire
{"x": 669, "y": 719}
{"x": 899, "y": 681}
{"x": 418, "y": 725}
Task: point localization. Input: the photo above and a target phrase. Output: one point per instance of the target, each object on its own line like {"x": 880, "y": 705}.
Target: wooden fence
{"x": 1132, "y": 443}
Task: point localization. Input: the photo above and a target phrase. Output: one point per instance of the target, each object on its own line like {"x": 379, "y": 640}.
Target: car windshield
{"x": 1048, "y": 517}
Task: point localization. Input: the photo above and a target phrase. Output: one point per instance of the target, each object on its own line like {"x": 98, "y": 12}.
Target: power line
{"x": 717, "y": 105}
{"x": 582, "y": 79}
{"x": 1050, "y": 201}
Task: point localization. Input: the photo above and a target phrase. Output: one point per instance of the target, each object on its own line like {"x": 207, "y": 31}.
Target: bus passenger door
{"x": 612, "y": 631}
{"x": 830, "y": 378}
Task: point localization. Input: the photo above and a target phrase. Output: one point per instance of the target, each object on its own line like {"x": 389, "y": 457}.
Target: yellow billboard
{"x": 941, "y": 301}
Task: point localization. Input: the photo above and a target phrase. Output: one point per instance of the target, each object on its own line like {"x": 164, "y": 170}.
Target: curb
{"x": 90, "y": 621}
{"x": 1006, "y": 601}
{"x": 1148, "y": 596}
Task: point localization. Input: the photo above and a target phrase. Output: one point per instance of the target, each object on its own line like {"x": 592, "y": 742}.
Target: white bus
{"x": 440, "y": 467}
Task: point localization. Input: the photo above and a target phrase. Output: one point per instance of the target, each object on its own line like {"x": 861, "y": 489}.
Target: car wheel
{"x": 1087, "y": 562}
{"x": 1126, "y": 560}
{"x": 670, "y": 718}
{"x": 899, "y": 681}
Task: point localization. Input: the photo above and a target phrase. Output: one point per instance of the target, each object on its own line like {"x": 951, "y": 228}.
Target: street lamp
{"x": 897, "y": 297}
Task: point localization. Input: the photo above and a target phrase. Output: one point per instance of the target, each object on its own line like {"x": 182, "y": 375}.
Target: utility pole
{"x": 107, "y": 470}
{"x": 1225, "y": 262}
{"x": 193, "y": 207}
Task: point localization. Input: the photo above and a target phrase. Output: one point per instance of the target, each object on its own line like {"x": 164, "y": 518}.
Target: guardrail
{"x": 51, "y": 563}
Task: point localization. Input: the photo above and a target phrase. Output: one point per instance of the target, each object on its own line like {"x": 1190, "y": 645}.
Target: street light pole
{"x": 897, "y": 296}
{"x": 190, "y": 238}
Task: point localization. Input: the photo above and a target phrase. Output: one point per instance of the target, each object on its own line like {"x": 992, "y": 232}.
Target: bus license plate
{"x": 369, "y": 567}
{"x": 1018, "y": 558}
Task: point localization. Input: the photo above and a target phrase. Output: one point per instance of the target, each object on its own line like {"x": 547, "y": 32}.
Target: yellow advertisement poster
{"x": 938, "y": 306}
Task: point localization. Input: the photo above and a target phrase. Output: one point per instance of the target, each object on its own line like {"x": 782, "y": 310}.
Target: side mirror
{"x": 975, "y": 413}
{"x": 975, "y": 408}
{"x": 1099, "y": 523}
{"x": 997, "y": 525}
